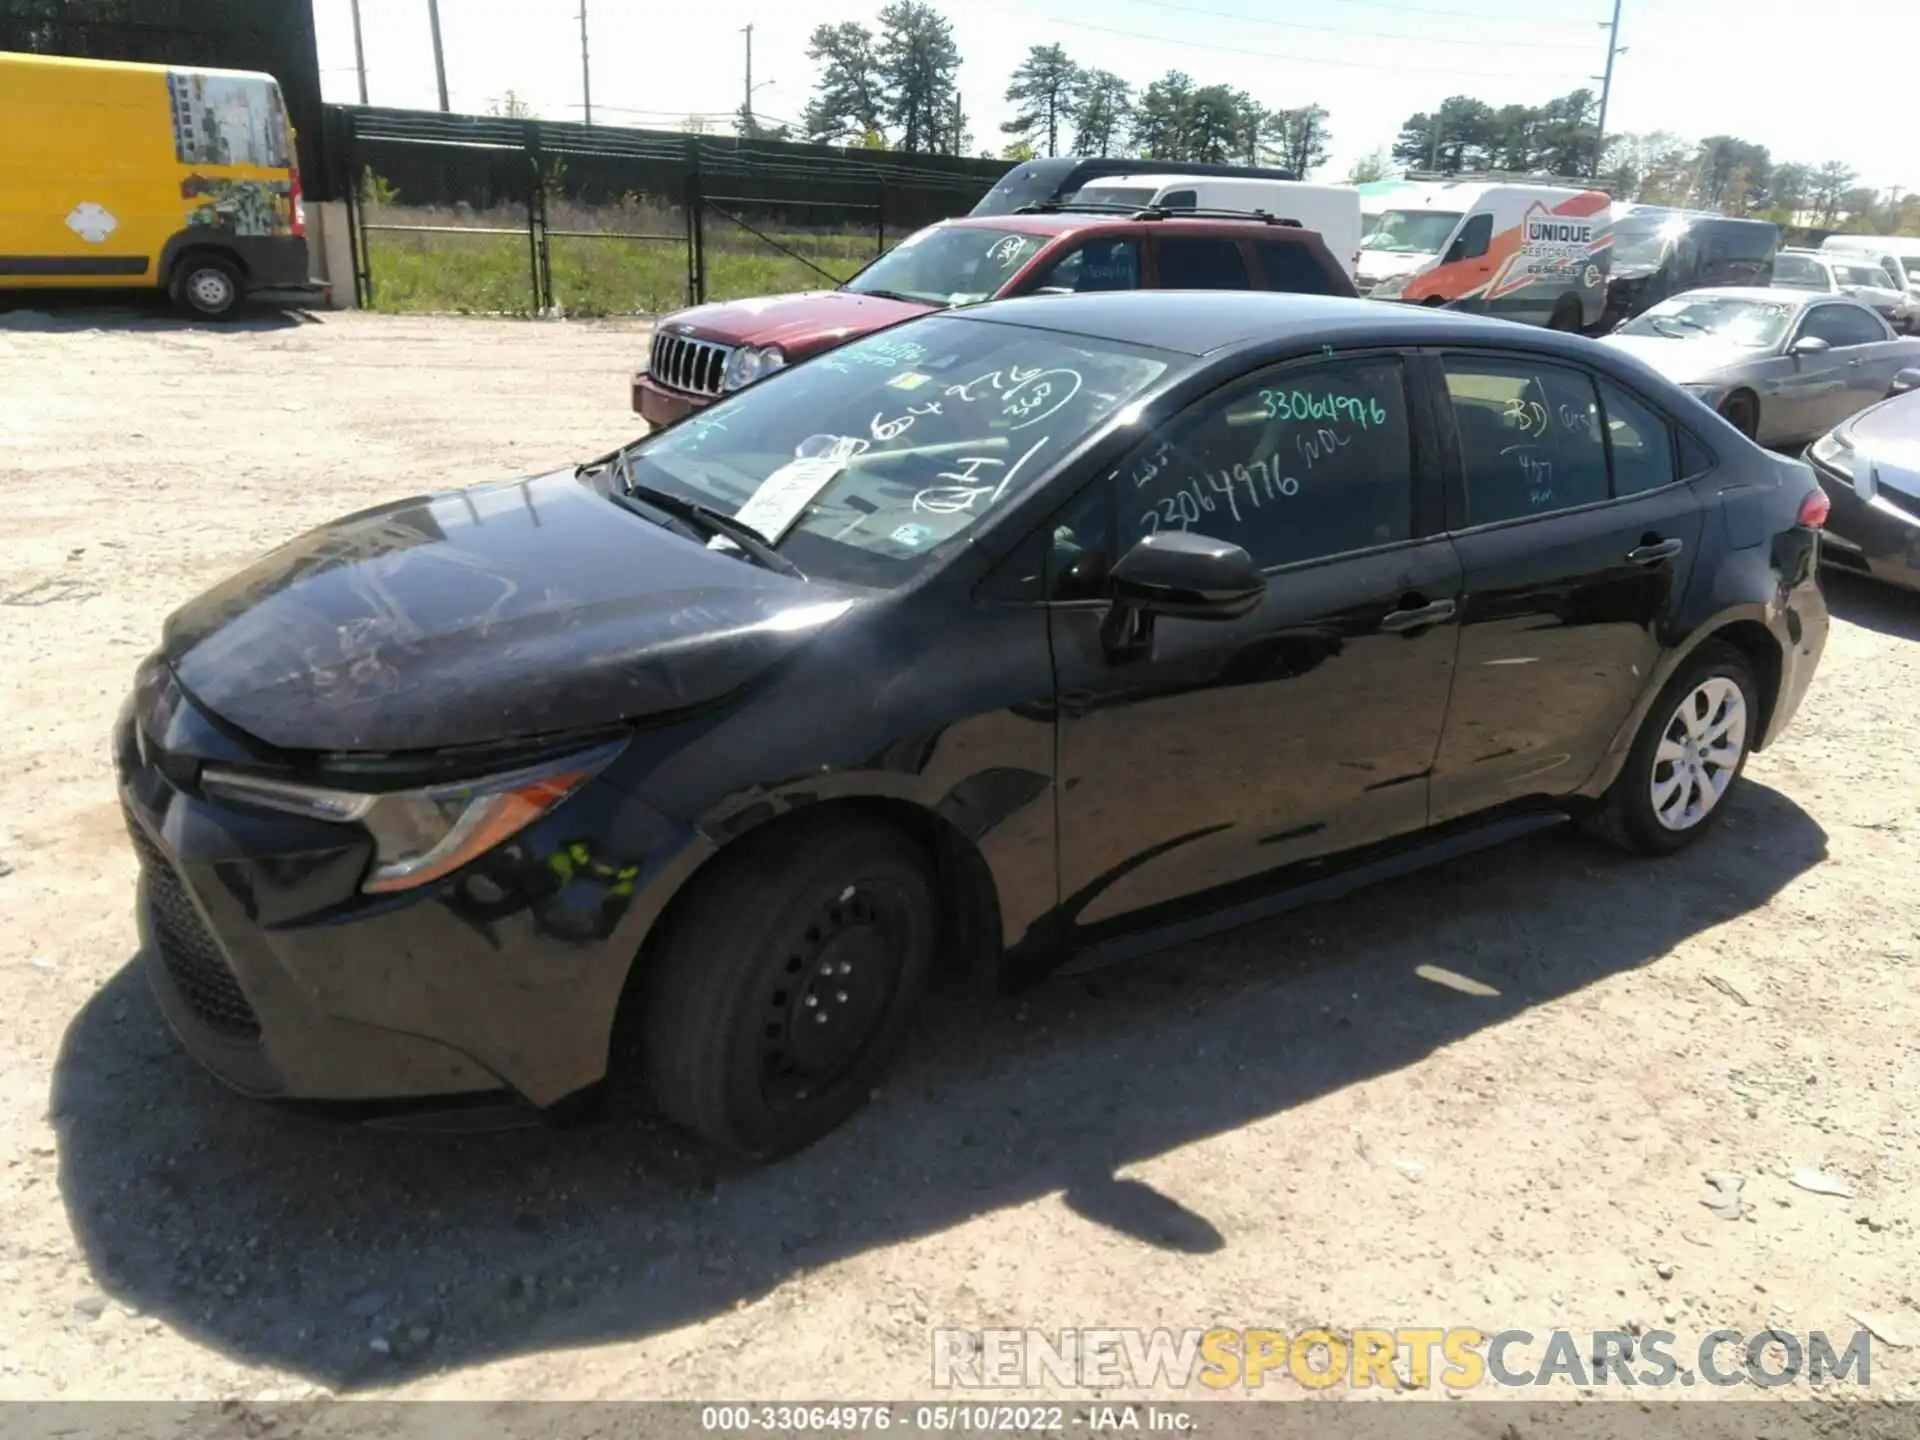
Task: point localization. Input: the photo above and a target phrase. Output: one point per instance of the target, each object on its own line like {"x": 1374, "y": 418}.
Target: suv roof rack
{"x": 1152, "y": 212}
{"x": 1507, "y": 177}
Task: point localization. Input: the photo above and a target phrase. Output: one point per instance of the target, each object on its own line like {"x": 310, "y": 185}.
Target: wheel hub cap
{"x": 1699, "y": 753}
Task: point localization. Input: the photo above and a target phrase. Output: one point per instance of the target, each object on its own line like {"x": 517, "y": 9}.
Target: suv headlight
{"x": 420, "y": 835}
{"x": 750, "y": 363}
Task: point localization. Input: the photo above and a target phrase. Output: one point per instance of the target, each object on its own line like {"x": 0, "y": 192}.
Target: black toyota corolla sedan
{"x": 1043, "y": 631}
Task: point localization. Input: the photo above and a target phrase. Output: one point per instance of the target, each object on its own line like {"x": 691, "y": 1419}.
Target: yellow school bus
{"x": 122, "y": 175}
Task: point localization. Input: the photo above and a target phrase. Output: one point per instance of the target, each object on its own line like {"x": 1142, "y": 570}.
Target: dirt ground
{"x": 1483, "y": 1096}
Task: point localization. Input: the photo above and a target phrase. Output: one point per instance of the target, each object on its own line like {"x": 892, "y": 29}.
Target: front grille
{"x": 695, "y": 366}
{"x": 191, "y": 955}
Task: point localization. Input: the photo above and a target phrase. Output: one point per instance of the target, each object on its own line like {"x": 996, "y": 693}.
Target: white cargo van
{"x": 1532, "y": 253}
{"x": 1899, "y": 254}
{"x": 1333, "y": 210}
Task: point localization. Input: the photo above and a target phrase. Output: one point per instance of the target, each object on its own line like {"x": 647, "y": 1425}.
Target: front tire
{"x": 777, "y": 1000}
{"x": 206, "y": 287}
{"x": 1741, "y": 411}
{"x": 1690, "y": 753}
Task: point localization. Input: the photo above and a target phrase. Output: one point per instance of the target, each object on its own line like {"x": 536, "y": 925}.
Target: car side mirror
{"x": 1809, "y": 345}
{"x": 1904, "y": 381}
{"x": 1186, "y": 576}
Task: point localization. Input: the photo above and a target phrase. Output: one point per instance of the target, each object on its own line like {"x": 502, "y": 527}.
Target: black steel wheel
{"x": 777, "y": 997}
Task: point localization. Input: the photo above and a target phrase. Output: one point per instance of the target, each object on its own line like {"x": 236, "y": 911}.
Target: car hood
{"x": 796, "y": 322}
{"x": 1386, "y": 264}
{"x": 1685, "y": 361}
{"x": 497, "y": 612}
{"x": 1888, "y": 434}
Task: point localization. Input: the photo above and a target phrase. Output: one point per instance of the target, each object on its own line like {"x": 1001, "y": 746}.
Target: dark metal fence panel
{"x": 616, "y": 220}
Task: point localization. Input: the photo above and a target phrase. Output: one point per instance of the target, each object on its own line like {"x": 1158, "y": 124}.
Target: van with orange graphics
{"x": 1532, "y": 253}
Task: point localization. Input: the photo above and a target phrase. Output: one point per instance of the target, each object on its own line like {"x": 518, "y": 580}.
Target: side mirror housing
{"x": 1187, "y": 576}
{"x": 1809, "y": 345}
{"x": 1905, "y": 381}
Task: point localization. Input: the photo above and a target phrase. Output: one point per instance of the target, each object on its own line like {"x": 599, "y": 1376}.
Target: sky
{"x": 1695, "y": 67}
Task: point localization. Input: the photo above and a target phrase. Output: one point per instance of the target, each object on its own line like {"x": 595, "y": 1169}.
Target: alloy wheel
{"x": 1699, "y": 753}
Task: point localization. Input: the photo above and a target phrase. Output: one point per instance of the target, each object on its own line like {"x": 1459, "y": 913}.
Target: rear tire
{"x": 1689, "y": 755}
{"x": 1741, "y": 411}
{"x": 800, "y": 933}
{"x": 205, "y": 287}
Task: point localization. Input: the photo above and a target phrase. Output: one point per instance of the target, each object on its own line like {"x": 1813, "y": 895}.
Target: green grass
{"x": 491, "y": 274}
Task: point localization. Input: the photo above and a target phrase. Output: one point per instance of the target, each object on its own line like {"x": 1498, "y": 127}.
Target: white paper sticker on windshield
{"x": 783, "y": 497}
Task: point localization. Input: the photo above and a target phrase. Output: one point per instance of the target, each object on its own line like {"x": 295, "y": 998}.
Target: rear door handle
{"x": 1655, "y": 553}
{"x": 1420, "y": 615}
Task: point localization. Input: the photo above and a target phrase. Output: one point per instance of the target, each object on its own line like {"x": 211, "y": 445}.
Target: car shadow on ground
{"x": 1872, "y": 605}
{"x": 360, "y": 1257}
{"x": 56, "y": 312}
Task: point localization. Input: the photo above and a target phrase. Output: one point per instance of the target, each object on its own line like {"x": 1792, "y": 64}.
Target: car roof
{"x": 1198, "y": 322}
{"x": 1072, "y": 222}
{"x": 1761, "y": 294}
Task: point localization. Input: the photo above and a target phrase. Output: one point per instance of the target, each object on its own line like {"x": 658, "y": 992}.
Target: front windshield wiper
{"x": 906, "y": 298}
{"x": 700, "y": 517}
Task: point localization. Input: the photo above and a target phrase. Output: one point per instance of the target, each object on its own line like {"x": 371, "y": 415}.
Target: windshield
{"x": 949, "y": 264}
{"x": 1753, "y": 323}
{"x": 1424, "y": 232}
{"x": 1871, "y": 275}
{"x": 1799, "y": 272}
{"x": 866, "y": 463}
{"x": 1640, "y": 244}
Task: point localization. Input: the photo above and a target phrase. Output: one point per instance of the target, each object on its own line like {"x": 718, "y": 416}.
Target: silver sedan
{"x": 1780, "y": 365}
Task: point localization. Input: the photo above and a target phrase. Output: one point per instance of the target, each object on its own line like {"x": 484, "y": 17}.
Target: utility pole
{"x": 359, "y": 53}
{"x": 439, "y": 55}
{"x": 1614, "y": 47}
{"x": 586, "y": 72}
{"x": 746, "y": 109}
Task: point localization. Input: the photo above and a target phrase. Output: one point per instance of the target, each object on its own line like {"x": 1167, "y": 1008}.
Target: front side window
{"x": 949, "y": 264}
{"x": 864, "y": 464}
{"x": 1201, "y": 263}
{"x": 1841, "y": 325}
{"x": 1301, "y": 464}
{"x": 1475, "y": 236}
{"x": 1096, "y": 265}
{"x": 1530, "y": 441}
{"x": 1869, "y": 275}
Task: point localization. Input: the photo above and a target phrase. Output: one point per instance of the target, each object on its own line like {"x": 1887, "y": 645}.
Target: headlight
{"x": 1833, "y": 452}
{"x": 421, "y": 835}
{"x": 1390, "y": 288}
{"x": 748, "y": 364}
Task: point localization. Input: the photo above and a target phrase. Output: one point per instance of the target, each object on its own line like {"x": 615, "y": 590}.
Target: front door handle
{"x": 1655, "y": 553}
{"x": 1418, "y": 616}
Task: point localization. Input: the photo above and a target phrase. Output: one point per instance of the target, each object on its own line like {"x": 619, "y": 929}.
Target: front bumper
{"x": 661, "y": 407}
{"x": 1863, "y": 536}
{"x": 287, "y": 982}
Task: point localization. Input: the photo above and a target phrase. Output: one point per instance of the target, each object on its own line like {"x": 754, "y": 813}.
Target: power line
{"x": 1244, "y": 52}
{"x": 1358, "y": 34}
{"x": 1449, "y": 14}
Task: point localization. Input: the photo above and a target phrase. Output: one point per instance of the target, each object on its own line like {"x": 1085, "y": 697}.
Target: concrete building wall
{"x": 329, "y": 250}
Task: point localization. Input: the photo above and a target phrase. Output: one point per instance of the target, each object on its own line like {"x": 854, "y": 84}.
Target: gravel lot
{"x": 1291, "y": 1126}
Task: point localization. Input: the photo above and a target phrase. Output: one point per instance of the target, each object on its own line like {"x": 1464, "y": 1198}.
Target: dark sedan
{"x": 1870, "y": 466}
{"x": 1049, "y": 630}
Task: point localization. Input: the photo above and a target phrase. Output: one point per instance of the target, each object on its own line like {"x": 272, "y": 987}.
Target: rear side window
{"x": 1096, "y": 265}
{"x": 1529, "y": 438}
{"x": 1642, "y": 444}
{"x": 1201, "y": 263}
{"x": 1294, "y": 268}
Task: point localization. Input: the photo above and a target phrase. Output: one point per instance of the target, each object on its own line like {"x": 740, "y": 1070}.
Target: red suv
{"x": 701, "y": 354}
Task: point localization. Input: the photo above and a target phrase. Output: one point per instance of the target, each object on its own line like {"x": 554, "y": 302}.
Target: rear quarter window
{"x": 1296, "y": 268}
